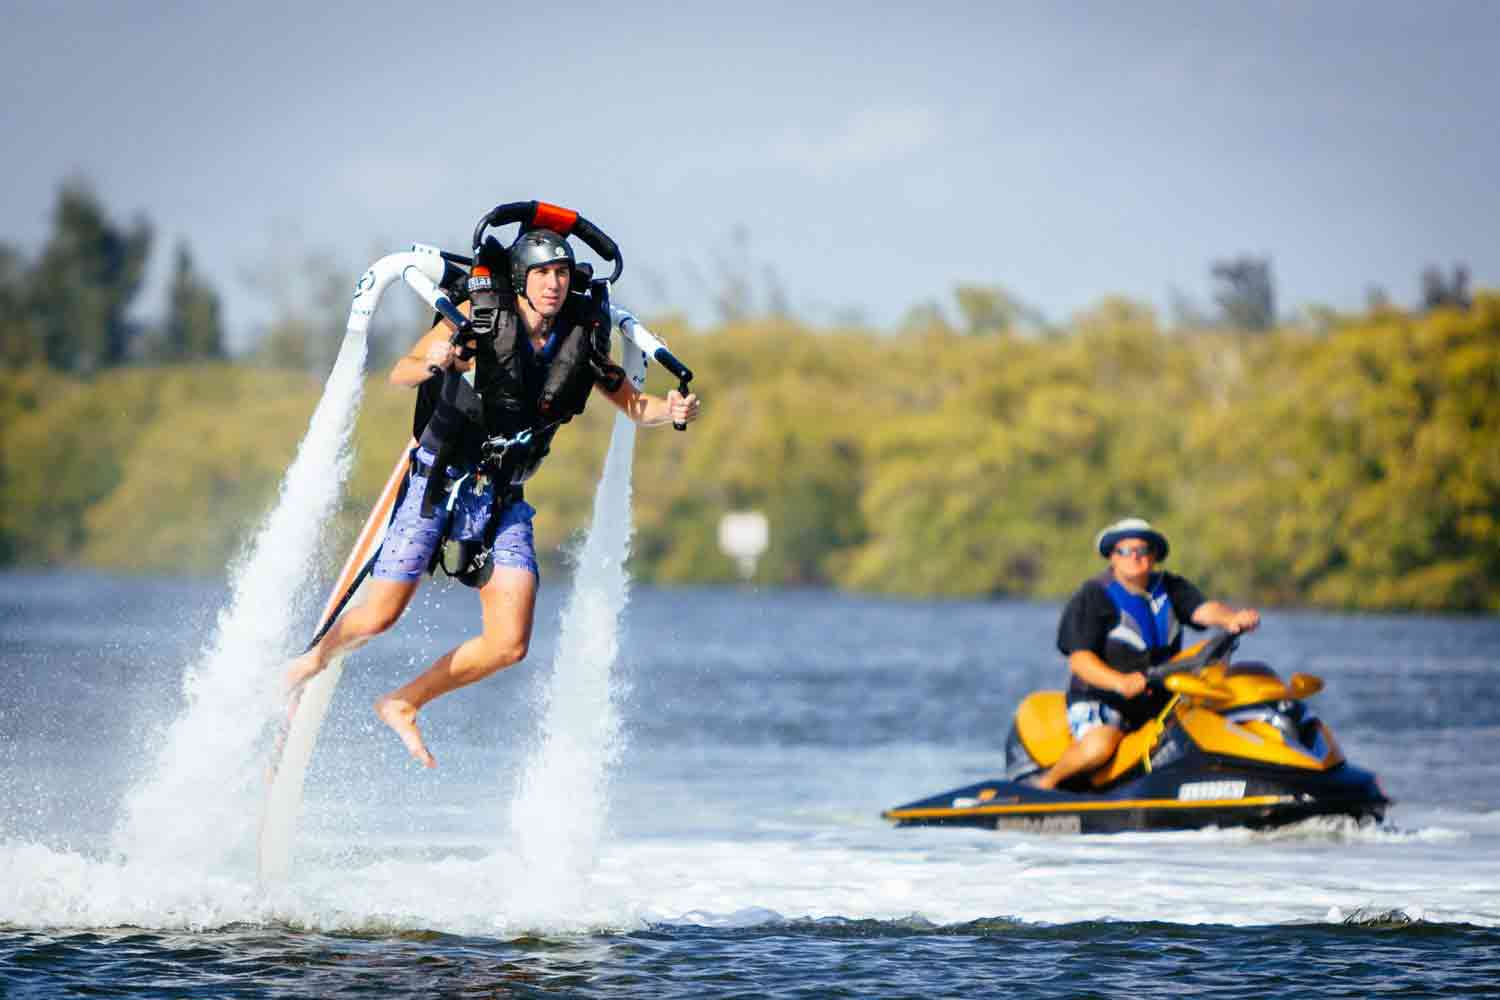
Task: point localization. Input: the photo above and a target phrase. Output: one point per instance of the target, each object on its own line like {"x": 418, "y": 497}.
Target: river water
{"x": 741, "y": 851}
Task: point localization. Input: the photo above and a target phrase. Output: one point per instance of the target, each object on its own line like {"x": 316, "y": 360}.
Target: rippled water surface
{"x": 742, "y": 852}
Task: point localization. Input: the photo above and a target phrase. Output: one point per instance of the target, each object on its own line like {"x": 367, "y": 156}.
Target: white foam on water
{"x": 197, "y": 806}
{"x": 560, "y": 810}
{"x": 942, "y": 877}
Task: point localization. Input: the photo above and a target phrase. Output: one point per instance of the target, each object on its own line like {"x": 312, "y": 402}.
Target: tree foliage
{"x": 1356, "y": 468}
{"x": 1246, "y": 293}
{"x": 1363, "y": 471}
{"x": 1440, "y": 292}
{"x": 194, "y": 327}
{"x": 70, "y": 307}
{"x": 17, "y": 333}
{"x": 990, "y": 309}
{"x": 1351, "y": 461}
{"x": 83, "y": 284}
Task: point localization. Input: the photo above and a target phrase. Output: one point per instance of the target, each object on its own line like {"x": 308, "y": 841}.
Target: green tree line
{"x": 1357, "y": 467}
{"x": 71, "y": 306}
{"x": 1352, "y": 463}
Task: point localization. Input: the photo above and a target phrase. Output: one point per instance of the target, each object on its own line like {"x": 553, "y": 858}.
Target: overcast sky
{"x": 874, "y": 157}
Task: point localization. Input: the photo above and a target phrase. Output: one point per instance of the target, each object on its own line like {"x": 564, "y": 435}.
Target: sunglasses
{"x": 1133, "y": 551}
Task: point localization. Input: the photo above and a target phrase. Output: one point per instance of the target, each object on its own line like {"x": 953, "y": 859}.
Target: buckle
{"x": 496, "y": 448}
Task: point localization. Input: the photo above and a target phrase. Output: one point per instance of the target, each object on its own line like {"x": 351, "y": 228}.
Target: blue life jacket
{"x": 1148, "y": 624}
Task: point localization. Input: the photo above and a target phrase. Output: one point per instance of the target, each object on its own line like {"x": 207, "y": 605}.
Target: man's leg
{"x": 509, "y": 606}
{"x": 382, "y": 607}
{"x": 1090, "y": 751}
{"x": 405, "y": 553}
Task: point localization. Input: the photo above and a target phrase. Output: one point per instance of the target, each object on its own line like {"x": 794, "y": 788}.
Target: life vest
{"x": 500, "y": 415}
{"x": 1148, "y": 631}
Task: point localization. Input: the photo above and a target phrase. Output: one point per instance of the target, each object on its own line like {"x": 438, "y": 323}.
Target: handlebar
{"x": 1176, "y": 675}
{"x": 1216, "y": 646}
{"x": 1196, "y": 687}
{"x": 653, "y": 348}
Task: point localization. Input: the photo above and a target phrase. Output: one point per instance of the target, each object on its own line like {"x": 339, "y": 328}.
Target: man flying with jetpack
{"x": 531, "y": 351}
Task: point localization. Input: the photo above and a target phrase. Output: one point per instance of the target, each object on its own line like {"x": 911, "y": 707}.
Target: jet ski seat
{"x": 1042, "y": 724}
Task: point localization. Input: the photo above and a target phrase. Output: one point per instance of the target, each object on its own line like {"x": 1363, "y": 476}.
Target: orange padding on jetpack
{"x": 559, "y": 220}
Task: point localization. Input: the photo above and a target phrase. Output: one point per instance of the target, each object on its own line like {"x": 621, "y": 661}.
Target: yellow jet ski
{"x": 1236, "y": 745}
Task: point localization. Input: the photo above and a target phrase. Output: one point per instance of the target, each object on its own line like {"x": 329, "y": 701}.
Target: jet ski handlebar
{"x": 1215, "y": 647}
{"x": 1176, "y": 675}
{"x": 1196, "y": 687}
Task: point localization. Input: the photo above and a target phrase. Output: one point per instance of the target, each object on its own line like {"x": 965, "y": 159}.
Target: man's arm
{"x": 652, "y": 411}
{"x": 1216, "y": 614}
{"x": 1081, "y": 634}
{"x": 432, "y": 350}
{"x": 1093, "y": 671}
{"x": 1190, "y": 603}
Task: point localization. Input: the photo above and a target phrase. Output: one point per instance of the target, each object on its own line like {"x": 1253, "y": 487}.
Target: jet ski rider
{"x": 1115, "y": 627}
{"x": 531, "y": 374}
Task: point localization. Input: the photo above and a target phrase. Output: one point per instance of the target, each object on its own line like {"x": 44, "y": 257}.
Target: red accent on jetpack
{"x": 559, "y": 220}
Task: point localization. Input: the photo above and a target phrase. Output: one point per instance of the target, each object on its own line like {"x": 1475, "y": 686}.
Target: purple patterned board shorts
{"x": 411, "y": 539}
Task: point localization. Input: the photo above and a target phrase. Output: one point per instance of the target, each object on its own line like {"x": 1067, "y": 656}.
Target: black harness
{"x": 497, "y": 419}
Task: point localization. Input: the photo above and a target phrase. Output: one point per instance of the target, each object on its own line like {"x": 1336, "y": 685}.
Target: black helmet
{"x": 536, "y": 248}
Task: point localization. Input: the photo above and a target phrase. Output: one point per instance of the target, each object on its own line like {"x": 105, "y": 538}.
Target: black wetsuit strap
{"x": 437, "y": 480}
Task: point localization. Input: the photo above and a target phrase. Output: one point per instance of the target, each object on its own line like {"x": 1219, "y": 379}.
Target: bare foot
{"x": 300, "y": 670}
{"x": 402, "y": 717}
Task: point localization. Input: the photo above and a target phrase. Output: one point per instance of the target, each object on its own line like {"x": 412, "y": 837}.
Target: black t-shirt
{"x": 1086, "y": 622}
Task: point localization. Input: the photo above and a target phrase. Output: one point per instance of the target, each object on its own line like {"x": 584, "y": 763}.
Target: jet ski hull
{"x": 1161, "y": 800}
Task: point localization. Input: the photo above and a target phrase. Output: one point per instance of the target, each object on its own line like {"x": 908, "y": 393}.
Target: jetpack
{"x": 439, "y": 278}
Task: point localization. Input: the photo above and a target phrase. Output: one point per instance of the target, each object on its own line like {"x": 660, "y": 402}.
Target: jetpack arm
{"x": 425, "y": 269}
{"x": 652, "y": 348}
{"x": 422, "y": 281}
